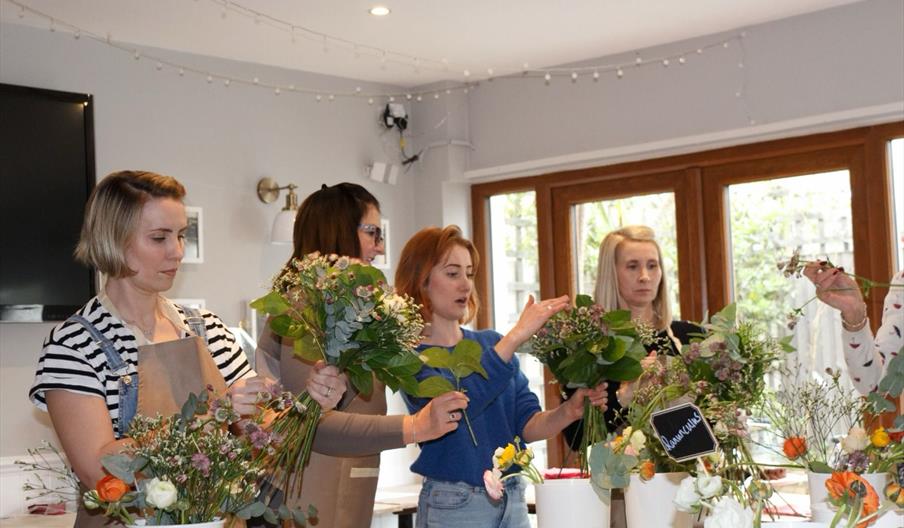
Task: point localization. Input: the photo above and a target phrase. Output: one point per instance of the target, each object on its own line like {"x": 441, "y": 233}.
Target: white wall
{"x": 838, "y": 60}
{"x": 218, "y": 141}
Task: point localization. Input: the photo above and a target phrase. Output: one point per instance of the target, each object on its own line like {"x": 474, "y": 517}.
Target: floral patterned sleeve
{"x": 867, "y": 356}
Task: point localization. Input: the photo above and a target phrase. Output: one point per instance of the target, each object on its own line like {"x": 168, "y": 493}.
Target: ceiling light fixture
{"x": 379, "y": 11}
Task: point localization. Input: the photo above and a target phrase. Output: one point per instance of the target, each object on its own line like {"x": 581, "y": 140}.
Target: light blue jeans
{"x": 459, "y": 505}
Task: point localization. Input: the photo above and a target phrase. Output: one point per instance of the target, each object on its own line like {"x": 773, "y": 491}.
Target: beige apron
{"x": 341, "y": 488}
{"x": 167, "y": 373}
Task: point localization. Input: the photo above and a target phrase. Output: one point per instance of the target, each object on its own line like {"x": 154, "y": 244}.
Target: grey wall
{"x": 218, "y": 141}
{"x": 830, "y": 61}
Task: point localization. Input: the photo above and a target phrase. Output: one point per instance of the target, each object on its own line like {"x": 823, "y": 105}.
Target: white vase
{"x": 217, "y": 523}
{"x": 650, "y": 503}
{"x": 795, "y": 524}
{"x": 570, "y": 502}
{"x": 891, "y": 518}
{"x": 820, "y": 509}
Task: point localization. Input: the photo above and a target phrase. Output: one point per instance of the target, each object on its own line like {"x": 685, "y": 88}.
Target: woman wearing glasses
{"x": 341, "y": 478}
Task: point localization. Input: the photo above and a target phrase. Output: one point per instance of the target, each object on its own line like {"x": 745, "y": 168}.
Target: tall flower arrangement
{"x": 722, "y": 372}
{"x": 585, "y": 346}
{"x": 343, "y": 312}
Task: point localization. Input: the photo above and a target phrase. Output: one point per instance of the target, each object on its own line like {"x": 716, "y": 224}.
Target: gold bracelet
{"x": 856, "y": 327}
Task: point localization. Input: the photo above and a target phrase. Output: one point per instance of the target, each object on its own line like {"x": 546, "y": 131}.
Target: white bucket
{"x": 570, "y": 502}
{"x": 650, "y": 503}
{"x": 217, "y": 523}
{"x": 892, "y": 518}
{"x": 820, "y": 509}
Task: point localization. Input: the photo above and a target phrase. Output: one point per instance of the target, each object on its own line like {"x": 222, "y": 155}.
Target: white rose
{"x": 160, "y": 493}
{"x": 687, "y": 499}
{"x": 856, "y": 440}
{"x": 709, "y": 486}
{"x": 638, "y": 440}
{"x": 728, "y": 513}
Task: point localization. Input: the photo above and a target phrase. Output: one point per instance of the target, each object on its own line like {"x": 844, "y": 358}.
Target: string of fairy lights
{"x": 464, "y": 83}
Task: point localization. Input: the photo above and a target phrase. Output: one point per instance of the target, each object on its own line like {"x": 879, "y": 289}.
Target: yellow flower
{"x": 503, "y": 457}
{"x": 880, "y": 438}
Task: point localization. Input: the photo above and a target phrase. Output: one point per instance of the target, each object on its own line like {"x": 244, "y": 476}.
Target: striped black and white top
{"x": 72, "y": 361}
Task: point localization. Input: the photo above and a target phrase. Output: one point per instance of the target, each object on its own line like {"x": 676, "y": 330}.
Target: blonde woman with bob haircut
{"x": 436, "y": 269}
{"x": 89, "y": 369}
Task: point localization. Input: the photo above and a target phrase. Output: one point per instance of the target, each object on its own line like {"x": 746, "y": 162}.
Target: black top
{"x": 682, "y": 330}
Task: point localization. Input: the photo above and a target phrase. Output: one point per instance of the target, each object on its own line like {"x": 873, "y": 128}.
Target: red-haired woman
{"x": 436, "y": 268}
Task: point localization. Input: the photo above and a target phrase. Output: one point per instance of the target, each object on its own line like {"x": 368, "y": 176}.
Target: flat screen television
{"x": 46, "y": 175}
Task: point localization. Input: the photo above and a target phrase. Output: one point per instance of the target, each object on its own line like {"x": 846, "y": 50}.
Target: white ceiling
{"x": 469, "y": 34}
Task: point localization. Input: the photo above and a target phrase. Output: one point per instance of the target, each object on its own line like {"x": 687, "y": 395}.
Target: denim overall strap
{"x": 128, "y": 383}
{"x": 195, "y": 322}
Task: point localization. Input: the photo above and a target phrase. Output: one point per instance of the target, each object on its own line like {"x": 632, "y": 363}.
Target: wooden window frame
{"x": 700, "y": 181}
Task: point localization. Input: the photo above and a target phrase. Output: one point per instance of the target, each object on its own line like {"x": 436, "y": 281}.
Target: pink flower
{"x": 200, "y": 462}
{"x": 492, "y": 480}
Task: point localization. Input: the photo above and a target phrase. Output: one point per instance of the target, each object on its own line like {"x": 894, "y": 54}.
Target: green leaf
{"x": 583, "y": 300}
{"x": 273, "y": 303}
{"x": 270, "y": 517}
{"x": 625, "y": 369}
{"x": 306, "y": 348}
{"x": 466, "y": 359}
{"x": 618, "y": 319}
{"x": 437, "y": 357}
{"x": 820, "y": 467}
{"x": 361, "y": 379}
{"x": 434, "y": 386}
{"x": 610, "y": 470}
{"x": 372, "y": 274}
{"x": 120, "y": 466}
{"x": 893, "y": 382}
{"x": 616, "y": 349}
{"x": 879, "y": 403}
{"x": 283, "y": 325}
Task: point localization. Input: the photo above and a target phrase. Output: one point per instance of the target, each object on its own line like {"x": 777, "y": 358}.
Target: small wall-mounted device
{"x": 395, "y": 115}
{"x": 384, "y": 172}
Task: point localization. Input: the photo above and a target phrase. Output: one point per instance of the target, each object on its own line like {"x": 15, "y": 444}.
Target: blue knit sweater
{"x": 499, "y": 408}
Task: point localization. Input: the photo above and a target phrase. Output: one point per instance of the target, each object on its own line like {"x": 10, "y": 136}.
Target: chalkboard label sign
{"x": 683, "y": 432}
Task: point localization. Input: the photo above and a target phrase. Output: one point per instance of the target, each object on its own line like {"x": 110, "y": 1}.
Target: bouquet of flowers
{"x": 188, "y": 468}
{"x": 341, "y": 311}
{"x": 504, "y": 459}
{"x": 721, "y": 372}
{"x": 585, "y": 346}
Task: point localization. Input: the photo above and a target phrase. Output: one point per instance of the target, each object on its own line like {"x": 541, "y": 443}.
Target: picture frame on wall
{"x": 382, "y": 261}
{"x": 194, "y": 236}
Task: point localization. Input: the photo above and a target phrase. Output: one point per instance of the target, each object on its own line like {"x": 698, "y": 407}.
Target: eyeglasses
{"x": 374, "y": 231}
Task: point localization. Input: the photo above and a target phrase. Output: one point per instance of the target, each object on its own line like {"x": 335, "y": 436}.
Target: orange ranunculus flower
{"x": 839, "y": 488}
{"x": 647, "y": 470}
{"x": 794, "y": 447}
{"x": 111, "y": 489}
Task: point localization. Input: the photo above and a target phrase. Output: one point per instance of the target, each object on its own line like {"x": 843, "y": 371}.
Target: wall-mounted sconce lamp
{"x": 283, "y": 224}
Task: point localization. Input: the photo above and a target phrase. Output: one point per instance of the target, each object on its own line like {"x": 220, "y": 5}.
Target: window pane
{"x": 593, "y": 220}
{"x": 896, "y": 171}
{"x": 768, "y": 221}
{"x": 514, "y": 273}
